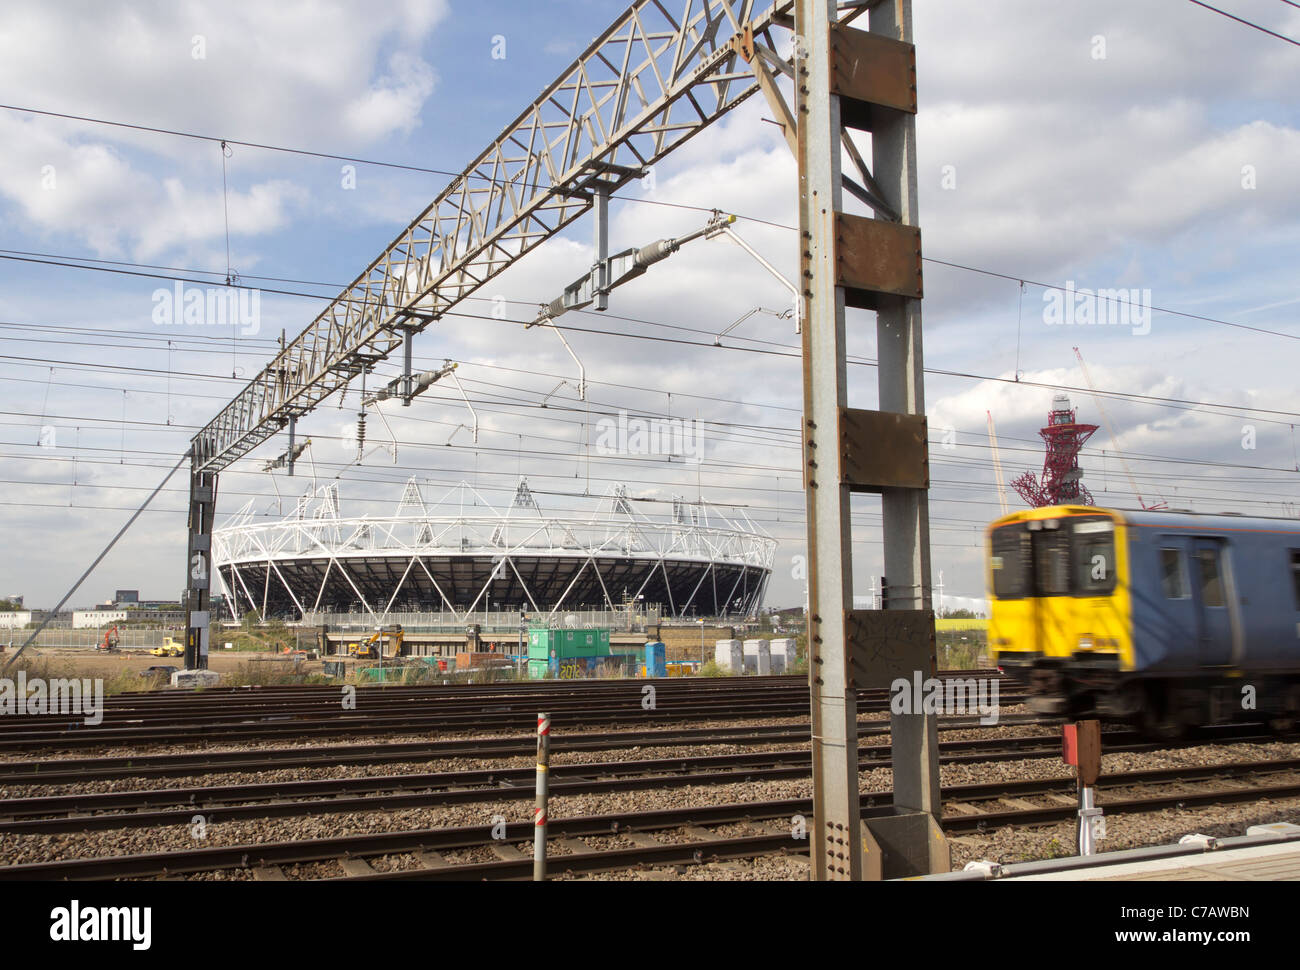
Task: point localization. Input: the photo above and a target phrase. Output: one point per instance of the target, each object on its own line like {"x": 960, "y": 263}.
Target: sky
{"x": 1150, "y": 148}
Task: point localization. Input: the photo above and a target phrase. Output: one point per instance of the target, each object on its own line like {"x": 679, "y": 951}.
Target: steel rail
{"x": 342, "y": 723}
{"x": 388, "y": 843}
{"x": 252, "y": 760}
{"x": 148, "y": 808}
{"x": 26, "y": 814}
{"x": 247, "y": 702}
{"x": 225, "y": 711}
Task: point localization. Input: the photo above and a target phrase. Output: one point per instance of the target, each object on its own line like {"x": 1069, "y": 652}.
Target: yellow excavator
{"x": 384, "y": 644}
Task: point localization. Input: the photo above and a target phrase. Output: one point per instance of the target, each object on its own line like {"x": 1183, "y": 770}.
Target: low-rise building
{"x": 93, "y": 619}
{"x": 15, "y": 619}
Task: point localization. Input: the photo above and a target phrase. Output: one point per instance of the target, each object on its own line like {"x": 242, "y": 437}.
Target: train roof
{"x": 1170, "y": 519}
{"x": 1213, "y": 521}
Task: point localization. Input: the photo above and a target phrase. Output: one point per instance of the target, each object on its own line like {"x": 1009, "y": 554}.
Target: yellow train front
{"x": 1169, "y": 620}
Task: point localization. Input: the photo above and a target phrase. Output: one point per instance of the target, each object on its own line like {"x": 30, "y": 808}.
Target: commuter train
{"x": 1168, "y": 620}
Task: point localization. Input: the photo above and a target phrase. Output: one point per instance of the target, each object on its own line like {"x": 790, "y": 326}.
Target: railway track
{"x": 142, "y": 809}
{"x": 255, "y": 716}
{"x": 161, "y": 705}
{"x": 83, "y": 812}
{"x": 199, "y": 708}
{"x": 72, "y": 770}
{"x": 968, "y": 808}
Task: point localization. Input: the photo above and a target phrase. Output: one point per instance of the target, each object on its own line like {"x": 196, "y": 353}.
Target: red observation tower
{"x": 1061, "y": 482}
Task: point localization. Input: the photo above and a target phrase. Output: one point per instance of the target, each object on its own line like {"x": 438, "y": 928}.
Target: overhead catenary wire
{"x": 724, "y": 424}
{"x": 662, "y": 459}
{"x": 779, "y": 350}
{"x": 1205, "y": 407}
{"x": 642, "y": 463}
{"x": 637, "y": 200}
{"x": 226, "y": 152}
{"x": 98, "y": 559}
{"x": 1248, "y": 23}
{"x": 729, "y": 478}
{"x": 469, "y": 174}
{"x": 119, "y": 267}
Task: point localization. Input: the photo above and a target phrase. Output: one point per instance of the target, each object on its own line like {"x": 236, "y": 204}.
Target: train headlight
{"x": 1085, "y": 643}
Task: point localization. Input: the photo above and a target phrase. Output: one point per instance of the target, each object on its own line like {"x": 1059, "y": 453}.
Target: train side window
{"x": 1173, "y": 578}
{"x": 1295, "y": 575}
{"x": 1211, "y": 581}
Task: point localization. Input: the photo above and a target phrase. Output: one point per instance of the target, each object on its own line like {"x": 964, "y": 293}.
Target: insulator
{"x": 655, "y": 252}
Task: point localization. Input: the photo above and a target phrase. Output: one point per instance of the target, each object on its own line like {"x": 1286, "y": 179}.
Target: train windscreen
{"x": 1012, "y": 557}
{"x": 1071, "y": 556}
{"x": 1051, "y": 562}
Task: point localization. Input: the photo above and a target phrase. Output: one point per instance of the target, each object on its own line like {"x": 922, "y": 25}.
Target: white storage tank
{"x": 783, "y": 654}
{"x": 730, "y": 656}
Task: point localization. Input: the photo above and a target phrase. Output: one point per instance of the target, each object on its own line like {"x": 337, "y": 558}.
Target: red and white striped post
{"x": 543, "y": 790}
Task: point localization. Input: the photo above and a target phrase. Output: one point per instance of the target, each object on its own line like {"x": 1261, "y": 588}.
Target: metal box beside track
{"x": 563, "y": 644}
{"x": 573, "y": 651}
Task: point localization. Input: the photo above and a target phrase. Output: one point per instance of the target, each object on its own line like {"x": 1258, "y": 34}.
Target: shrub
{"x": 711, "y": 669}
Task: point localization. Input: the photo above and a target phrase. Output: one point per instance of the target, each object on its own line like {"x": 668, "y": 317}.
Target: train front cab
{"x": 1061, "y": 610}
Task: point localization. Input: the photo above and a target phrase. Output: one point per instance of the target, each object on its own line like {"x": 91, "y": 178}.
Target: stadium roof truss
{"x": 462, "y": 555}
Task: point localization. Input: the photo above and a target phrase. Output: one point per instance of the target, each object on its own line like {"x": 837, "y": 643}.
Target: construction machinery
{"x": 110, "y": 640}
{"x": 384, "y": 644}
{"x": 170, "y": 648}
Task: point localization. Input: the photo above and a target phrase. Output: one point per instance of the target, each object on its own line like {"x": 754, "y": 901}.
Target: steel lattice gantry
{"x": 645, "y": 86}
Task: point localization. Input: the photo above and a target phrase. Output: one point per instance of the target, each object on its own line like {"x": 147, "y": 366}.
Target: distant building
{"x": 129, "y": 599}
{"x": 93, "y": 619}
{"x": 15, "y": 620}
{"x": 61, "y": 620}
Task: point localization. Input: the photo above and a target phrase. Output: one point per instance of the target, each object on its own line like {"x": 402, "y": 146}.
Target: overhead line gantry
{"x": 645, "y": 86}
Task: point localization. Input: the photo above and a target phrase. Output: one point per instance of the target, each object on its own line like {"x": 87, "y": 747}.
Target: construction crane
{"x": 997, "y": 465}
{"x": 1111, "y": 431}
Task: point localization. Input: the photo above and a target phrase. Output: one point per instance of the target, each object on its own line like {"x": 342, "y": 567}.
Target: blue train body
{"x": 1247, "y": 617}
{"x": 1163, "y": 618}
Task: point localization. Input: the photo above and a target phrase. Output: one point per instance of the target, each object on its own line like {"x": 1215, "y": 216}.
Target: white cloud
{"x": 1122, "y": 172}
{"x": 393, "y": 102}
{"x": 304, "y": 74}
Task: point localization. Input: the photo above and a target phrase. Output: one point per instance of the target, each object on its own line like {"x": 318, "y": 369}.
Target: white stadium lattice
{"x": 460, "y": 555}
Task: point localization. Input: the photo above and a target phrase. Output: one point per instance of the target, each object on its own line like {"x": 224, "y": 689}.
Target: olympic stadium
{"x": 460, "y": 554}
